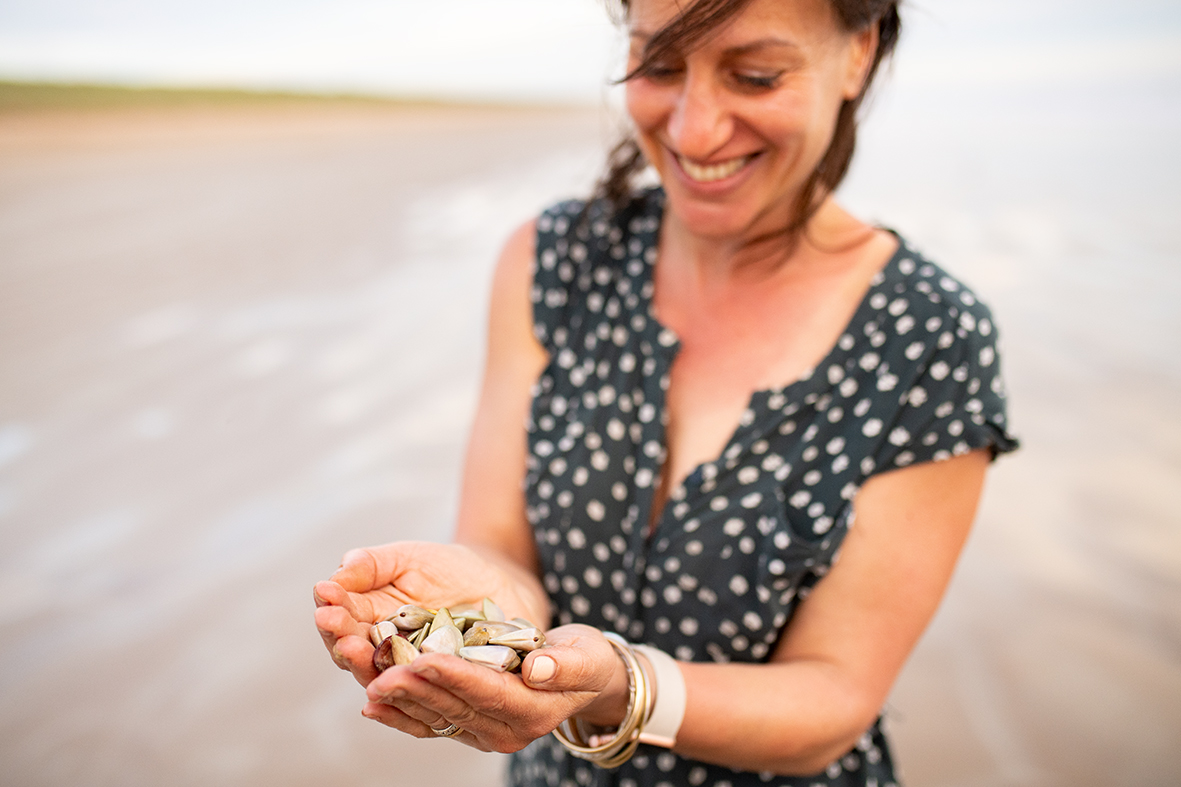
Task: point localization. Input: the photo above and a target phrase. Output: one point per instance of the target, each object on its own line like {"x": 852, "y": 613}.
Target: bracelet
{"x": 620, "y": 747}
{"x": 669, "y": 690}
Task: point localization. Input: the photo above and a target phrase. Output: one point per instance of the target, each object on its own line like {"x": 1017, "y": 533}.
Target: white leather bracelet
{"x": 665, "y": 722}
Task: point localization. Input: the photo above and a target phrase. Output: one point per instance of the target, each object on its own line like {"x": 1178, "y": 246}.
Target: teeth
{"x": 711, "y": 172}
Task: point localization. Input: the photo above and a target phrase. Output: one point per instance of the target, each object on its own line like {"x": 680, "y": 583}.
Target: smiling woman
{"x": 717, "y": 377}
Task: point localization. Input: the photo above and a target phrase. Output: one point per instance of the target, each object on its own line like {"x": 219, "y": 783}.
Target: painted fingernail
{"x": 542, "y": 669}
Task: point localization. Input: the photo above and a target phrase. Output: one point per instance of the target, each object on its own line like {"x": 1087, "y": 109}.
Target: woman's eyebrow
{"x": 760, "y": 44}
{"x": 643, "y": 37}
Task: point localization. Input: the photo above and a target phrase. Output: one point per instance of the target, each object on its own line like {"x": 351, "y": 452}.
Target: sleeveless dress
{"x": 914, "y": 378}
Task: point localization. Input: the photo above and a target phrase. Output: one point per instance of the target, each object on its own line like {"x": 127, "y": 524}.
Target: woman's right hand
{"x": 372, "y": 583}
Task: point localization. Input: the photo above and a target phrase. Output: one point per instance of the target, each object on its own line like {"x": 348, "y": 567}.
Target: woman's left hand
{"x": 577, "y": 672}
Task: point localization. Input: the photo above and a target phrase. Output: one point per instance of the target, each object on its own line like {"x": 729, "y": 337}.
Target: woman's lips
{"x": 708, "y": 173}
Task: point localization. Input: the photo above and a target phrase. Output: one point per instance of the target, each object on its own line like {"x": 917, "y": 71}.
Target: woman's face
{"x": 736, "y": 126}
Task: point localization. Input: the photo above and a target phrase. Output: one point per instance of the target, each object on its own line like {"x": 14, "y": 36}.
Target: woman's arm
{"x": 847, "y": 642}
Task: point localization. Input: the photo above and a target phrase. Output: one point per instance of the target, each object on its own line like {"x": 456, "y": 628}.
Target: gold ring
{"x": 447, "y": 732}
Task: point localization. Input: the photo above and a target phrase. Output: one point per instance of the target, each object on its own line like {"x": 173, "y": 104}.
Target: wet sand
{"x": 236, "y": 342}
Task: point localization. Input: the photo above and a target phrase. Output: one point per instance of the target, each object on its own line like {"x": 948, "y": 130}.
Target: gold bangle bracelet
{"x": 640, "y": 701}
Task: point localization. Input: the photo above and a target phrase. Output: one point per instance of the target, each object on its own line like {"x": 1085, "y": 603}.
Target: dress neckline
{"x": 667, "y": 344}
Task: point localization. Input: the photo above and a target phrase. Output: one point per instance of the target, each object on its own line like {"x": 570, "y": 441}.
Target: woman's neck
{"x": 757, "y": 258}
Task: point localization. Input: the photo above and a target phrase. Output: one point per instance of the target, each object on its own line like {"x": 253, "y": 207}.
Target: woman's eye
{"x": 663, "y": 72}
{"x": 757, "y": 81}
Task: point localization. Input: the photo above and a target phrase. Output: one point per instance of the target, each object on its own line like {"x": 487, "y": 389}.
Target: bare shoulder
{"x": 515, "y": 263}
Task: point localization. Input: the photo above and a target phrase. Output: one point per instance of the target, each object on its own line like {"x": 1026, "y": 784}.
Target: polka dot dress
{"x": 914, "y": 378}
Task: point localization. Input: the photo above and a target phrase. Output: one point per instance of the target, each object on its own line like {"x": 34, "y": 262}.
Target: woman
{"x": 718, "y": 377}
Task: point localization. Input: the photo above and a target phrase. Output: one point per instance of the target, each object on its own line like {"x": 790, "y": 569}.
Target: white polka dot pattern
{"x": 914, "y": 378}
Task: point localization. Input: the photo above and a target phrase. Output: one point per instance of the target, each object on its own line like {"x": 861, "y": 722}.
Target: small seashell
{"x": 394, "y": 651}
{"x": 442, "y": 619}
{"x": 526, "y": 640}
{"x": 465, "y": 615}
{"x": 492, "y": 611}
{"x": 475, "y": 637}
{"x": 379, "y": 632}
{"x": 498, "y": 657}
{"x": 495, "y": 627}
{"x": 447, "y": 639}
{"x": 410, "y": 617}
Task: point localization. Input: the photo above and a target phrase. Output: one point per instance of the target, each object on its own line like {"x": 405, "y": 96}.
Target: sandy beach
{"x": 237, "y": 341}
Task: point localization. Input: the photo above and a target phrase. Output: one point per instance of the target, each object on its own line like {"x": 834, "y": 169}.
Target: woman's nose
{"x": 700, "y": 124}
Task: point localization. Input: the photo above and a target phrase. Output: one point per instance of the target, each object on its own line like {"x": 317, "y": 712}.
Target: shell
{"x": 447, "y": 639}
{"x": 394, "y": 651}
{"x": 475, "y": 637}
{"x": 442, "y": 619}
{"x": 497, "y": 657}
{"x": 492, "y": 611}
{"x": 466, "y": 615}
{"x": 379, "y": 632}
{"x": 525, "y": 640}
{"x": 410, "y": 617}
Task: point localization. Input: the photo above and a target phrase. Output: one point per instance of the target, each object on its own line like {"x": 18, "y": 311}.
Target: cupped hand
{"x": 578, "y": 671}
{"x": 372, "y": 583}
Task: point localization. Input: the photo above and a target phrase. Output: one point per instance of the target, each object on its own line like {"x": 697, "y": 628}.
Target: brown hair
{"x": 692, "y": 26}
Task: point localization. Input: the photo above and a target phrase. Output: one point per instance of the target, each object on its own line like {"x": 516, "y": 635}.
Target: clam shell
{"x": 525, "y": 640}
{"x": 475, "y": 637}
{"x": 447, "y": 639}
{"x": 394, "y": 651}
{"x": 379, "y": 632}
{"x": 410, "y": 617}
{"x": 497, "y": 657}
{"x": 464, "y": 616}
{"x": 442, "y": 620}
{"x": 492, "y": 611}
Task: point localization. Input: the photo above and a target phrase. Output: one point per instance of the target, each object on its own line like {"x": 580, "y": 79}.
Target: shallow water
{"x": 234, "y": 344}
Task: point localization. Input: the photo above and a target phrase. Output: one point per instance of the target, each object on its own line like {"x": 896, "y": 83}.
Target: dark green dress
{"x": 914, "y": 378}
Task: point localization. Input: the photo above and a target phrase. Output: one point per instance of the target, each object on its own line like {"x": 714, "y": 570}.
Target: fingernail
{"x": 426, "y": 673}
{"x": 542, "y": 669}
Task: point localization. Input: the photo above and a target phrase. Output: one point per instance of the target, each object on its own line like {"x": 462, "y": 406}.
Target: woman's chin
{"x": 710, "y": 220}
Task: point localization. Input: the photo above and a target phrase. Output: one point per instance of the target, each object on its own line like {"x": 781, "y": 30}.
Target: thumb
{"x": 581, "y": 664}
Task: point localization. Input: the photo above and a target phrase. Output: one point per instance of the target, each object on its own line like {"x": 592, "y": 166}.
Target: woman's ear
{"x": 863, "y": 45}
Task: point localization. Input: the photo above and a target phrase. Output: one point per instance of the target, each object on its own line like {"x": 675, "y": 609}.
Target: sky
{"x": 535, "y": 50}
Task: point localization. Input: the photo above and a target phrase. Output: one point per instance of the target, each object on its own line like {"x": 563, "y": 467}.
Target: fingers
{"x": 411, "y": 691}
{"x": 347, "y": 641}
{"x": 399, "y": 719}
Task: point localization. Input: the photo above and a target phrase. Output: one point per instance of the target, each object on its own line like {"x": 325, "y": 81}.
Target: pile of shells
{"x": 478, "y": 633}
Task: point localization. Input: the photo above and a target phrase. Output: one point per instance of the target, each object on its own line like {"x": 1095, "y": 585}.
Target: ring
{"x": 447, "y": 732}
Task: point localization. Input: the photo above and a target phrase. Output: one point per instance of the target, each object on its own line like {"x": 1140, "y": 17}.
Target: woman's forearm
{"x": 788, "y": 718}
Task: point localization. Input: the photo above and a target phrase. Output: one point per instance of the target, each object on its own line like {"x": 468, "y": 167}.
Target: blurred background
{"x": 240, "y": 333}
